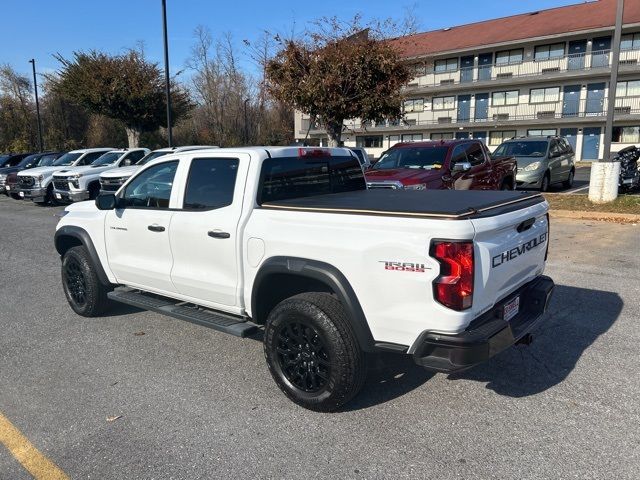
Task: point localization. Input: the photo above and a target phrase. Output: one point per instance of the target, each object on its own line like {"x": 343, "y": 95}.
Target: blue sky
{"x": 40, "y": 28}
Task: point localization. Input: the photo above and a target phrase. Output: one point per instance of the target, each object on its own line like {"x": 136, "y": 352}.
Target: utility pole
{"x": 35, "y": 89}
{"x": 166, "y": 72}
{"x": 603, "y": 184}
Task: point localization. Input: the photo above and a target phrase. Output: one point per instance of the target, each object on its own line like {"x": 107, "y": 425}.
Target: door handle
{"x": 218, "y": 234}
{"x": 156, "y": 228}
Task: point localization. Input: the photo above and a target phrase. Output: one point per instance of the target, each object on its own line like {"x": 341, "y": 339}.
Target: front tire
{"x": 312, "y": 353}
{"x": 546, "y": 181}
{"x": 48, "y": 198}
{"x": 86, "y": 295}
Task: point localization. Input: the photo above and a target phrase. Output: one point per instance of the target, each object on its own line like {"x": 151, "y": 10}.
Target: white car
{"x": 291, "y": 240}
{"x": 113, "y": 179}
{"x": 75, "y": 184}
{"x": 37, "y": 183}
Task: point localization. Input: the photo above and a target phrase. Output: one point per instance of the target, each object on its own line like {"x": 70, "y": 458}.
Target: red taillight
{"x": 313, "y": 152}
{"x": 454, "y": 287}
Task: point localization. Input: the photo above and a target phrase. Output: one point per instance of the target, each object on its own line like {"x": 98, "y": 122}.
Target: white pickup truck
{"x": 36, "y": 184}
{"x": 291, "y": 241}
{"x": 78, "y": 183}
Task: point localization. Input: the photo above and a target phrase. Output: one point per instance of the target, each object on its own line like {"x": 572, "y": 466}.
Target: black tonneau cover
{"x": 448, "y": 204}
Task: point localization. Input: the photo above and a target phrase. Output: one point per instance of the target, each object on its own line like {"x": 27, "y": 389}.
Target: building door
{"x": 595, "y": 98}
{"x": 485, "y": 62}
{"x": 482, "y": 106}
{"x": 590, "y": 143}
{"x": 466, "y": 69}
{"x": 571, "y": 101}
{"x": 600, "y": 51}
{"x": 577, "y": 50}
{"x": 571, "y": 134}
{"x": 464, "y": 108}
{"x": 482, "y": 136}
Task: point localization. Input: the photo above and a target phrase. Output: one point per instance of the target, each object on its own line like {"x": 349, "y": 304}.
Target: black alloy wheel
{"x": 303, "y": 357}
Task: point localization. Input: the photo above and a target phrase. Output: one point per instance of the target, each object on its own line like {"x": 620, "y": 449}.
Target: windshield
{"x": 106, "y": 159}
{"x": 29, "y": 160}
{"x": 521, "y": 149}
{"x": 151, "y": 156}
{"x": 415, "y": 157}
{"x": 47, "y": 160}
{"x": 66, "y": 159}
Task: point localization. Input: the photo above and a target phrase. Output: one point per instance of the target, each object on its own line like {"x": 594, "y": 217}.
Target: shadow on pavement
{"x": 575, "y": 320}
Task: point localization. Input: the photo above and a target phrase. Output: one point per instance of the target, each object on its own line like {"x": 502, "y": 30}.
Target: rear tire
{"x": 544, "y": 185}
{"x": 15, "y": 196}
{"x": 568, "y": 183}
{"x": 312, "y": 353}
{"x": 86, "y": 295}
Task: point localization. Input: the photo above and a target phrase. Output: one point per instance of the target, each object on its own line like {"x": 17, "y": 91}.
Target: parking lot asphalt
{"x": 188, "y": 402}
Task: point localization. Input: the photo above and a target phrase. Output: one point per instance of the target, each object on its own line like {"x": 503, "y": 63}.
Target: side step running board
{"x": 166, "y": 306}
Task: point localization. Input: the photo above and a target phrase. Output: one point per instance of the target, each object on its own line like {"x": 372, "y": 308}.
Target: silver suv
{"x": 542, "y": 161}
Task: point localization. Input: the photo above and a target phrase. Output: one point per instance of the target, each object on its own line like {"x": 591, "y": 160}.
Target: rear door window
{"x": 283, "y": 178}
{"x": 211, "y": 183}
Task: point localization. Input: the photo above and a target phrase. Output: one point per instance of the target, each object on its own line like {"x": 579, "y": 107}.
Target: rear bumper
{"x": 488, "y": 334}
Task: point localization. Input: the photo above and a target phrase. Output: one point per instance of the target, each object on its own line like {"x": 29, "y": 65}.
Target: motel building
{"x": 539, "y": 73}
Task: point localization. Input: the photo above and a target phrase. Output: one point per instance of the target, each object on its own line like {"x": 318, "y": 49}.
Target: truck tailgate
{"x": 511, "y": 250}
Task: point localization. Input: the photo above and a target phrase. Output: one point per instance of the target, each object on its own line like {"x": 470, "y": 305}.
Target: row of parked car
{"x": 63, "y": 177}
{"x": 528, "y": 162}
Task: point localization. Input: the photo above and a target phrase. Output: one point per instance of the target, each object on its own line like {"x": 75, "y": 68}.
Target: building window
{"x": 544, "y": 95}
{"x": 545, "y": 132}
{"x": 496, "y": 138}
{"x": 547, "y": 52}
{"x": 505, "y": 98}
{"x": 369, "y": 141}
{"x": 415, "y": 105}
{"x": 442, "y": 136}
{"x": 412, "y": 137}
{"x": 444, "y": 103}
{"x": 393, "y": 139}
{"x": 626, "y": 135}
{"x": 447, "y": 65}
{"x": 630, "y": 88}
{"x": 509, "y": 57}
{"x": 419, "y": 69}
{"x": 630, "y": 42}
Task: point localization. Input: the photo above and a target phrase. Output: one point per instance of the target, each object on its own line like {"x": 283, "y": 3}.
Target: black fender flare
{"x": 80, "y": 234}
{"x": 330, "y": 276}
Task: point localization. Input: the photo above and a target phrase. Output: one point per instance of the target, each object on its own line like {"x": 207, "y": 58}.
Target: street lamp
{"x": 166, "y": 72}
{"x": 35, "y": 89}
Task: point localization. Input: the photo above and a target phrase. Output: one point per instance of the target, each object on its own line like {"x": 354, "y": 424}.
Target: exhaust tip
{"x": 525, "y": 340}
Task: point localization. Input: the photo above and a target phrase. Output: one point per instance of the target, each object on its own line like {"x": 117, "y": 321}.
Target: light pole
{"x": 35, "y": 89}
{"x": 603, "y": 183}
{"x": 166, "y": 72}
{"x": 246, "y": 127}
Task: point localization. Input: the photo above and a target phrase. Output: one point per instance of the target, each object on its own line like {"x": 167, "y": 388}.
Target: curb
{"x": 598, "y": 216}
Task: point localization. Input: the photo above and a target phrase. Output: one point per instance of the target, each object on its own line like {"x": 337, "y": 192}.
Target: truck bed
{"x": 447, "y": 204}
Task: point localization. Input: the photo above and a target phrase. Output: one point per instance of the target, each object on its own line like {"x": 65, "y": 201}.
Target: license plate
{"x": 8, "y": 188}
{"x": 58, "y": 196}
{"x": 21, "y": 194}
{"x": 511, "y": 309}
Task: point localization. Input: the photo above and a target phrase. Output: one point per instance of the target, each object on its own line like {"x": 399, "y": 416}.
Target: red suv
{"x": 453, "y": 164}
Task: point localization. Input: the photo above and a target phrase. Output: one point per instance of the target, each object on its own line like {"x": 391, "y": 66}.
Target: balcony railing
{"x": 595, "y": 60}
{"x": 524, "y": 112}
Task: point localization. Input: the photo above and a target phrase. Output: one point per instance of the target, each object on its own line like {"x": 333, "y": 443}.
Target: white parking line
{"x": 575, "y": 190}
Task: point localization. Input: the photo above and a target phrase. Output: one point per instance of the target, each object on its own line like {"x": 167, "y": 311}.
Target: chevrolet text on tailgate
{"x": 289, "y": 240}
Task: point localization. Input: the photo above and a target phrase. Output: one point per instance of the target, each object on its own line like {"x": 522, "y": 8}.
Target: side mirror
{"x": 106, "y": 201}
{"x": 461, "y": 167}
